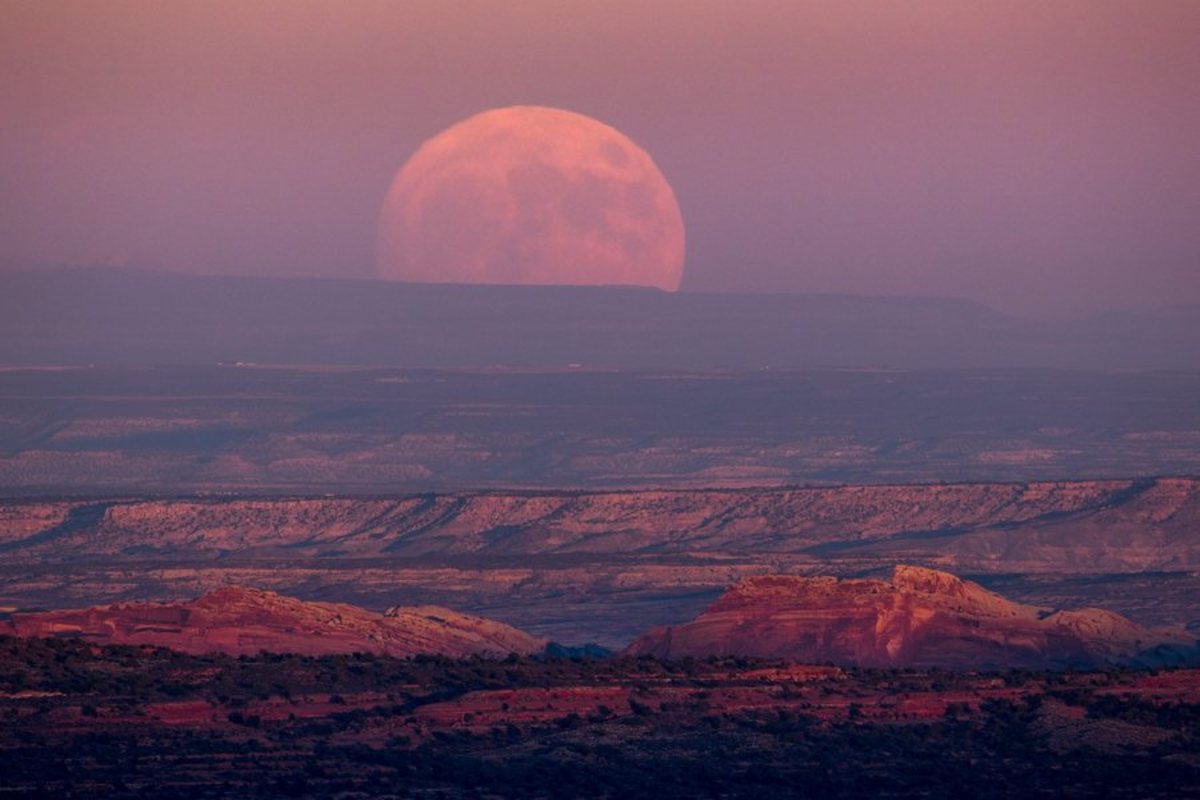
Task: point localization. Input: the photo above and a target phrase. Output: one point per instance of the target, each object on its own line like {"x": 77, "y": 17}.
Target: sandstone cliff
{"x": 920, "y": 618}
{"x": 1109, "y": 526}
{"x": 238, "y": 621}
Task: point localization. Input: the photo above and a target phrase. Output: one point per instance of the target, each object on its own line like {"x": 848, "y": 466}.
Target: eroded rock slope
{"x": 240, "y": 621}
{"x": 1065, "y": 525}
{"x": 919, "y": 618}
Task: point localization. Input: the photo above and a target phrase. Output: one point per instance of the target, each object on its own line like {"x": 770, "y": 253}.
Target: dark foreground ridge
{"x": 86, "y": 721}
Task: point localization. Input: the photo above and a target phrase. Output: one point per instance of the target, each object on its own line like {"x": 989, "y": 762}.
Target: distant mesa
{"x": 125, "y": 317}
{"x": 239, "y": 621}
{"x": 920, "y": 618}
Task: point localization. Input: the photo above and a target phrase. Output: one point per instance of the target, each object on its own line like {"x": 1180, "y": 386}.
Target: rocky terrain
{"x": 238, "y": 621}
{"x": 1114, "y": 525}
{"x": 604, "y": 566}
{"x": 83, "y": 720}
{"x": 920, "y": 618}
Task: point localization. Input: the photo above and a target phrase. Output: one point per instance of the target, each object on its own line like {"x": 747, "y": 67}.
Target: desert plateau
{"x": 601, "y": 567}
{"x": 593, "y": 400}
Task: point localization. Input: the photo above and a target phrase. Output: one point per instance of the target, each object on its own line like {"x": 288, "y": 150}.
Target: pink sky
{"x": 1037, "y": 156}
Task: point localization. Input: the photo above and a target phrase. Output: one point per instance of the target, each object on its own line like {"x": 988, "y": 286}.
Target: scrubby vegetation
{"x": 85, "y": 721}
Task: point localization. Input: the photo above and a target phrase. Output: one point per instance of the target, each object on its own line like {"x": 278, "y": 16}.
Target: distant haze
{"x": 107, "y": 316}
{"x": 1036, "y": 157}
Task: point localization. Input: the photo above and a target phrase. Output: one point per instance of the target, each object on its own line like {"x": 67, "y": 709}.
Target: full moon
{"x": 531, "y": 195}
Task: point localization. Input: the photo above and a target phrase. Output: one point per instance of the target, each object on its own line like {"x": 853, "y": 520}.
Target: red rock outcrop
{"x": 921, "y": 618}
{"x": 239, "y": 621}
{"x": 1071, "y": 526}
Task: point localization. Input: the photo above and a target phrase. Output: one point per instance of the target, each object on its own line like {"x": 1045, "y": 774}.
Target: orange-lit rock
{"x": 239, "y": 621}
{"x": 921, "y": 618}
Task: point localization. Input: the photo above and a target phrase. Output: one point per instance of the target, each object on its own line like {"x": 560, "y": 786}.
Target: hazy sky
{"x": 1038, "y": 156}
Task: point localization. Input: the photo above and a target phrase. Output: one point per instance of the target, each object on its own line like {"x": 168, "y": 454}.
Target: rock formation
{"x": 239, "y": 621}
{"x": 1064, "y": 526}
{"x": 920, "y": 618}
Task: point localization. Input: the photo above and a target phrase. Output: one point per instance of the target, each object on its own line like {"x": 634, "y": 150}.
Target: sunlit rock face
{"x": 920, "y": 618}
{"x": 238, "y": 621}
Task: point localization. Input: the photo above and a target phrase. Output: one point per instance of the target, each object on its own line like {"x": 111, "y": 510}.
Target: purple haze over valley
{"x": 1037, "y": 157}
